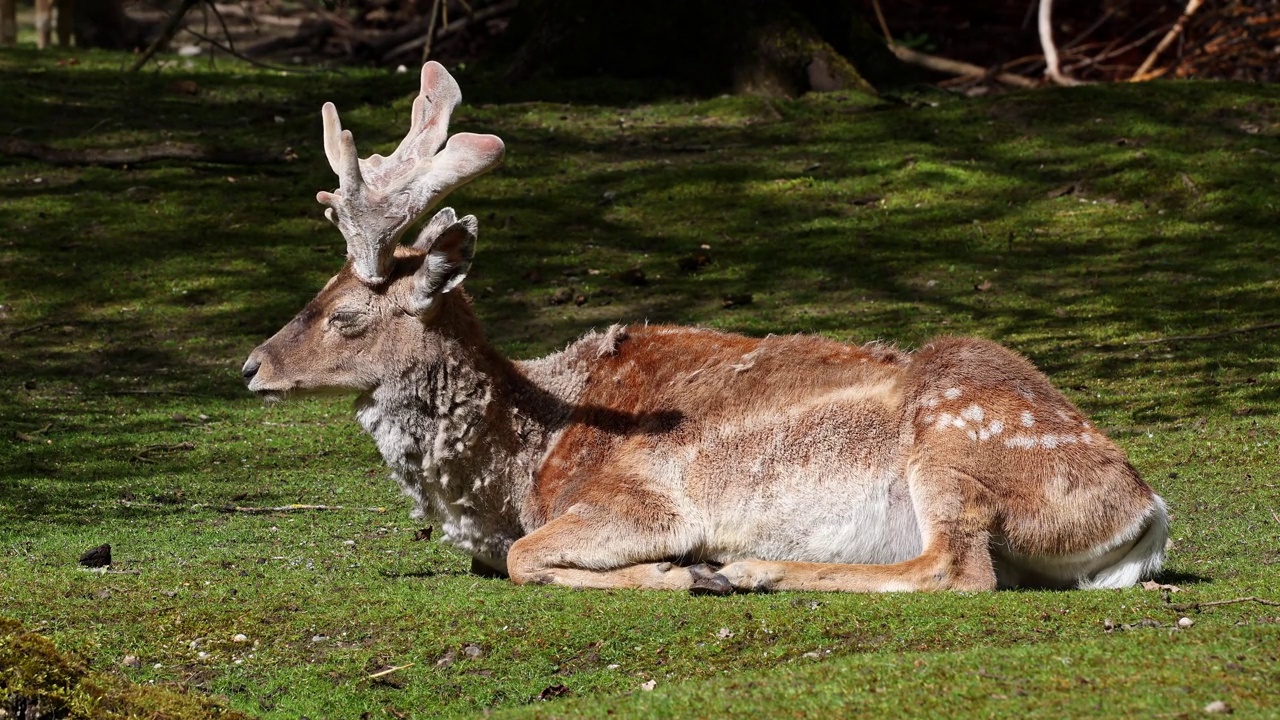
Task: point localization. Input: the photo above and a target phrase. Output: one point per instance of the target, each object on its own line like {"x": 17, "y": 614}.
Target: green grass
{"x": 132, "y": 296}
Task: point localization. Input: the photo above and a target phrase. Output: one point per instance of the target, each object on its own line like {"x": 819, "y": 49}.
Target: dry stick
{"x": 956, "y": 67}
{"x": 431, "y": 30}
{"x": 1233, "y": 601}
{"x": 1052, "y": 69}
{"x": 170, "y": 29}
{"x": 455, "y": 26}
{"x": 1141, "y": 73}
{"x": 251, "y": 61}
{"x": 388, "y": 671}
{"x": 1184, "y": 338}
{"x": 1112, "y": 52}
{"x": 884, "y": 26}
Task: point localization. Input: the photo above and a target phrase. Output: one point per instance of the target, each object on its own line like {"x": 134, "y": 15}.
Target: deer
{"x": 683, "y": 458}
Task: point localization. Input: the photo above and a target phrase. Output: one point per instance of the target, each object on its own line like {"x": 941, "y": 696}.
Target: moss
{"x": 38, "y": 681}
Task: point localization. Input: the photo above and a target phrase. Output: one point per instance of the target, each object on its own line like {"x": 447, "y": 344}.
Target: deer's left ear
{"x": 450, "y": 244}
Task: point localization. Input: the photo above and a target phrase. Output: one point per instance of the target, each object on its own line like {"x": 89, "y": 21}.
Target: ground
{"x": 1077, "y": 226}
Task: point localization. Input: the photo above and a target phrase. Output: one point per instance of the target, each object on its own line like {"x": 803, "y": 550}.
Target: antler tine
{"x": 379, "y": 198}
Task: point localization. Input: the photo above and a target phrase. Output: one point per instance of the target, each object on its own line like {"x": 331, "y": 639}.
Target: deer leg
{"x": 594, "y": 549}
{"x": 955, "y": 517}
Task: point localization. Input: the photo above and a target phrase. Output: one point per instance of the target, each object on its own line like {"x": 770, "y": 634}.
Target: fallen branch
{"x": 1185, "y": 338}
{"x": 1233, "y": 601}
{"x": 412, "y": 36}
{"x": 1052, "y": 69}
{"x": 166, "y": 35}
{"x": 116, "y": 157}
{"x": 956, "y": 67}
{"x": 1142, "y": 73}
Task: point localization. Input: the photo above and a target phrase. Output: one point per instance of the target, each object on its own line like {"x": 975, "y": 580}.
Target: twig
{"x": 246, "y": 58}
{"x": 166, "y": 35}
{"x": 249, "y": 510}
{"x": 884, "y": 26}
{"x": 226, "y": 32}
{"x": 398, "y": 43}
{"x": 1141, "y": 73}
{"x": 30, "y": 328}
{"x": 956, "y": 67}
{"x": 169, "y": 150}
{"x": 1233, "y": 601}
{"x": 1052, "y": 69}
{"x": 388, "y": 671}
{"x": 1206, "y": 336}
{"x": 431, "y": 30}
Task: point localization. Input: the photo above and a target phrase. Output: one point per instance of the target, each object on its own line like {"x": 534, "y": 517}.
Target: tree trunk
{"x": 770, "y": 47}
{"x": 8, "y": 23}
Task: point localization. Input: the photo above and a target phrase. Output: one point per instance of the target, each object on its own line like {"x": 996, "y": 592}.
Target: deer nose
{"x": 250, "y": 369}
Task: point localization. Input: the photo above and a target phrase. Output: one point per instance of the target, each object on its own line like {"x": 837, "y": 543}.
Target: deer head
{"x": 385, "y": 299}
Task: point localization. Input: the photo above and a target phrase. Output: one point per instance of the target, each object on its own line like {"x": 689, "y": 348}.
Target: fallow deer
{"x": 688, "y": 459}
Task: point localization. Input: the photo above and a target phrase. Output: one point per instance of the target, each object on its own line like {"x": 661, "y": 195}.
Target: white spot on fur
{"x": 973, "y": 435}
{"x": 951, "y": 393}
{"x": 930, "y": 402}
{"x": 1021, "y": 441}
{"x": 1028, "y": 419}
{"x": 943, "y": 421}
{"x": 974, "y": 413}
{"x": 958, "y": 422}
{"x": 996, "y": 427}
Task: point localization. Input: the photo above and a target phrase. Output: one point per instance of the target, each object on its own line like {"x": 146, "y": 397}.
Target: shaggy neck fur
{"x": 464, "y": 430}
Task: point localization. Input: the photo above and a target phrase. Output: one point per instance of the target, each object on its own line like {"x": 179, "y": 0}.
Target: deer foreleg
{"x": 594, "y": 549}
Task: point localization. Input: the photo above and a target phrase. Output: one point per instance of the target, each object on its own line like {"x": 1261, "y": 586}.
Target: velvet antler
{"x": 378, "y": 198}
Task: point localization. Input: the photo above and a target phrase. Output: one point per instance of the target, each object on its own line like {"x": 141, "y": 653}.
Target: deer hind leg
{"x": 591, "y": 547}
{"x": 955, "y": 516}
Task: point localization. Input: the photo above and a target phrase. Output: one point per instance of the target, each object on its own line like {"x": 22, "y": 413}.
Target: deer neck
{"x": 445, "y": 428}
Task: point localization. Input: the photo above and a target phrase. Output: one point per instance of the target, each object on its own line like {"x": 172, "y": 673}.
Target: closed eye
{"x": 345, "y": 317}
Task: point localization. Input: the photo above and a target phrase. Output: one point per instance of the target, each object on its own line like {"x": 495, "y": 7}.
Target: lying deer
{"x": 684, "y": 458}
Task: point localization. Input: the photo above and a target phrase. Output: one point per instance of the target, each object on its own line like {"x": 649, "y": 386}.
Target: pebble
{"x": 1185, "y": 622}
{"x": 648, "y": 685}
{"x": 1217, "y": 707}
{"x": 131, "y": 661}
{"x": 239, "y": 638}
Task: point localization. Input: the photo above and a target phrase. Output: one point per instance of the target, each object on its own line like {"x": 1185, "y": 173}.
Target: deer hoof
{"x": 708, "y": 582}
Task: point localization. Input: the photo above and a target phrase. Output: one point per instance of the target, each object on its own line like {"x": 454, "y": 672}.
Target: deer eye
{"x": 348, "y": 322}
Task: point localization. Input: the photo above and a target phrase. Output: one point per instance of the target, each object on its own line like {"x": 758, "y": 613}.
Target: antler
{"x": 379, "y": 198}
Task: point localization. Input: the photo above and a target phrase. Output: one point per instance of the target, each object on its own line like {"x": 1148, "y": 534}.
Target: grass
{"x": 1067, "y": 224}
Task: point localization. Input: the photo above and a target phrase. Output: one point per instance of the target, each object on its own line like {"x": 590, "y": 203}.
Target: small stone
{"x": 348, "y": 542}
{"x": 319, "y": 638}
{"x": 613, "y": 666}
{"x": 1217, "y": 707}
{"x": 239, "y": 638}
{"x": 202, "y": 654}
{"x": 724, "y": 633}
{"x": 813, "y": 654}
{"x": 131, "y": 661}
{"x": 648, "y": 686}
{"x": 1185, "y": 622}
{"x": 472, "y": 651}
{"x": 157, "y": 666}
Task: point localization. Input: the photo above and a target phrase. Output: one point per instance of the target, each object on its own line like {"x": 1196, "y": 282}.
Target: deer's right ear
{"x": 450, "y": 244}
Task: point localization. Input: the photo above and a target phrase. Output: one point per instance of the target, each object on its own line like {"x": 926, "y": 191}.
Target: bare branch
{"x": 1052, "y": 69}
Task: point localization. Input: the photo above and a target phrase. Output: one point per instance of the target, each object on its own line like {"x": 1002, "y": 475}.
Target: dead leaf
{"x": 984, "y": 286}
{"x": 648, "y": 686}
{"x": 561, "y": 296}
{"x": 733, "y": 300}
{"x": 1153, "y": 585}
{"x": 1217, "y": 707}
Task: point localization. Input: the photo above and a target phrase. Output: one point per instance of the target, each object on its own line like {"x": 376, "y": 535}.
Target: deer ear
{"x": 450, "y": 245}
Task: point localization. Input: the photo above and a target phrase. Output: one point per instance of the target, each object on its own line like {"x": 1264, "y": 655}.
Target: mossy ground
{"x": 1066, "y": 224}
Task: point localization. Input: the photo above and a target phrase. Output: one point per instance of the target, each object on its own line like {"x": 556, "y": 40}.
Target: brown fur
{"x": 632, "y": 449}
